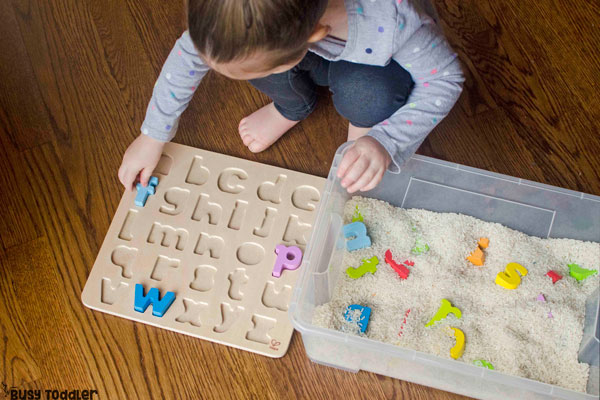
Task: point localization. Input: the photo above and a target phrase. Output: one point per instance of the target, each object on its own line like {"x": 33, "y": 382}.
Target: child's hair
{"x": 231, "y": 30}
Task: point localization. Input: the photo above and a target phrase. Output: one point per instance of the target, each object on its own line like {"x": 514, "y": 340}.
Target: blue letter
{"x": 159, "y": 306}
{"x": 358, "y": 230}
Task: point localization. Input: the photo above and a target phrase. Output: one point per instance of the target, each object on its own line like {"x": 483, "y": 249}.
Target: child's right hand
{"x": 139, "y": 160}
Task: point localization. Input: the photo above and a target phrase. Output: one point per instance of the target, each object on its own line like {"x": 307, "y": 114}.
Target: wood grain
{"x": 75, "y": 78}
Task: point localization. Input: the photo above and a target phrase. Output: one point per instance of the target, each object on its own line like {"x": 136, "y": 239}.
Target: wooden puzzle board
{"x": 209, "y": 235}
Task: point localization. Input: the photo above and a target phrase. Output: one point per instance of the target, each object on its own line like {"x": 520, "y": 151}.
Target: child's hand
{"x": 141, "y": 158}
{"x": 363, "y": 165}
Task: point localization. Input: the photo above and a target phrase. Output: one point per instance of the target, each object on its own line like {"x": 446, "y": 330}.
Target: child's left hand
{"x": 363, "y": 165}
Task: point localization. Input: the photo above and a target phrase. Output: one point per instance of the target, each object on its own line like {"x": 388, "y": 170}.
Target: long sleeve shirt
{"x": 378, "y": 31}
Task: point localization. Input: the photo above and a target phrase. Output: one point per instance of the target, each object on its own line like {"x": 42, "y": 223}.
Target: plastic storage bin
{"x": 533, "y": 208}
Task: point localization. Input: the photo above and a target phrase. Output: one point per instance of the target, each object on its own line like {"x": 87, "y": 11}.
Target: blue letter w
{"x": 159, "y": 306}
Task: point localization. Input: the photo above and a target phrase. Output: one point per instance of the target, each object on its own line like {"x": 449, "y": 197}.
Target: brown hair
{"x": 229, "y": 30}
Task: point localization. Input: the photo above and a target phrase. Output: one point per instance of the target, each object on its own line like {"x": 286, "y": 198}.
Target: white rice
{"x": 511, "y": 329}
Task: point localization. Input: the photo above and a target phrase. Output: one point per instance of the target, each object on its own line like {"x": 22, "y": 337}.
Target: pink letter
{"x": 287, "y": 258}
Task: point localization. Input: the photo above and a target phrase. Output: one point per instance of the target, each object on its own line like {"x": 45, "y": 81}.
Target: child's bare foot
{"x": 355, "y": 132}
{"x": 263, "y": 127}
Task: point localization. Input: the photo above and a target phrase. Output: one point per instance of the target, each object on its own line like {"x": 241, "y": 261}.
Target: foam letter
{"x": 445, "y": 309}
{"x": 287, "y": 258}
{"x": 509, "y": 278}
{"x": 358, "y": 230}
{"x": 159, "y": 306}
{"x": 368, "y": 265}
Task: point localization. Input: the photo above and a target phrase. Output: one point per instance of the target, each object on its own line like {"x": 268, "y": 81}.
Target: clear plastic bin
{"x": 532, "y": 208}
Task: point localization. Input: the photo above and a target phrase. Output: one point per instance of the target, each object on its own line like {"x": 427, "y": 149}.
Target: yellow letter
{"x": 458, "y": 349}
{"x": 509, "y": 278}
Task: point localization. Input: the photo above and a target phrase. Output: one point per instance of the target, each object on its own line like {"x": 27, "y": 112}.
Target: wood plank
{"x": 24, "y": 117}
{"x": 19, "y": 221}
{"x": 17, "y": 363}
{"x": 513, "y": 61}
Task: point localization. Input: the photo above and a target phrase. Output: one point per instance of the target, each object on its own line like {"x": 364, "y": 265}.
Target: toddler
{"x": 387, "y": 64}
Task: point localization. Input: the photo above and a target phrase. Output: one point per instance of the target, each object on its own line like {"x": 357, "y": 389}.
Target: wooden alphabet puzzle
{"x": 207, "y": 236}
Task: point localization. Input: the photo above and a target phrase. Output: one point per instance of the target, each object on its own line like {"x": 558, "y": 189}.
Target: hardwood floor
{"x": 75, "y": 78}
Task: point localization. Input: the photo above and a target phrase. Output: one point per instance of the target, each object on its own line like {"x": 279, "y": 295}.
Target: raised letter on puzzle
{"x": 271, "y": 191}
{"x": 296, "y": 231}
{"x": 265, "y": 229}
{"x": 110, "y": 294}
{"x": 262, "y": 326}
{"x": 205, "y": 208}
{"x": 125, "y": 233}
{"x": 229, "y": 315}
{"x": 211, "y": 244}
{"x": 198, "y": 173}
{"x": 167, "y": 235}
{"x": 279, "y": 299}
{"x": 225, "y": 180}
{"x": 305, "y": 197}
{"x": 123, "y": 257}
{"x": 162, "y": 266}
{"x": 175, "y": 199}
{"x": 193, "y": 311}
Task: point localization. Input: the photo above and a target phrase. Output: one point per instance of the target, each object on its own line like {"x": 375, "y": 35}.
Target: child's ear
{"x": 319, "y": 33}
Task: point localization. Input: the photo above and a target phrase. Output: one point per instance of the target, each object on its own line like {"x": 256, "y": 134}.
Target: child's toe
{"x": 247, "y": 139}
{"x": 256, "y": 147}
